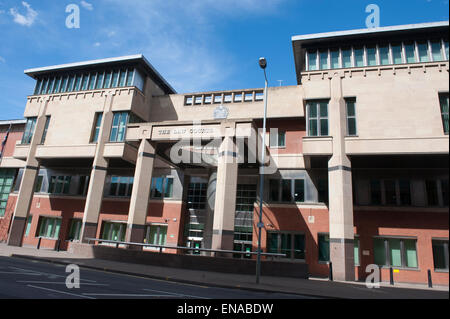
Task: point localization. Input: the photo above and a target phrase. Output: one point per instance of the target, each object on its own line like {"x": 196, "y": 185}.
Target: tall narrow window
{"x": 157, "y": 187}
{"x": 119, "y": 127}
{"x": 351, "y": 117}
{"x": 44, "y": 86}
{"x": 49, "y": 227}
{"x": 347, "y": 58}
{"x": 405, "y": 192}
{"x": 390, "y": 191}
{"x": 44, "y": 134}
{"x": 323, "y": 56}
{"x": 78, "y": 83}
{"x": 51, "y": 82}
{"x": 85, "y": 82}
{"x": 130, "y": 76}
{"x": 375, "y": 192}
{"x": 115, "y": 79}
{"x": 277, "y": 139}
{"x": 100, "y": 77}
{"x": 37, "y": 89}
{"x": 335, "y": 64}
{"x": 299, "y": 190}
{"x": 423, "y": 52}
{"x": 286, "y": 190}
{"x": 359, "y": 57}
{"x": 371, "y": 56}
{"x": 312, "y": 60}
{"x": 122, "y": 78}
{"x": 92, "y": 80}
{"x": 71, "y": 83}
{"x": 318, "y": 118}
{"x": 410, "y": 53}
{"x": 436, "y": 51}
{"x": 274, "y": 189}
{"x": 440, "y": 254}
{"x": 107, "y": 83}
{"x": 444, "y": 191}
{"x": 98, "y": 124}
{"x": 6, "y": 184}
{"x": 29, "y": 130}
{"x": 397, "y": 53}
{"x": 432, "y": 193}
{"x": 324, "y": 247}
{"x": 443, "y": 98}
{"x": 384, "y": 54}
{"x": 57, "y": 87}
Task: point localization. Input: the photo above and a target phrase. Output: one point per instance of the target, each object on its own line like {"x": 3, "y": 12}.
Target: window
{"x": 405, "y": 192}
{"x": 432, "y": 192}
{"x": 443, "y": 98}
{"x": 423, "y": 52}
{"x": 114, "y": 231}
{"x": 299, "y": 190}
{"x": 335, "y": 63}
{"x": 440, "y": 254}
{"x": 44, "y": 134}
{"x": 274, "y": 187}
{"x": 162, "y": 186}
{"x": 28, "y": 228}
{"x": 84, "y": 85}
{"x": 37, "y": 89}
{"x": 446, "y": 49}
{"x": 75, "y": 229}
{"x": 121, "y": 186}
{"x": 59, "y": 185}
{"x": 130, "y": 77}
{"x": 436, "y": 51}
{"x": 444, "y": 190}
{"x": 71, "y": 83}
{"x": 107, "y": 82}
{"x": 83, "y": 185}
{"x": 351, "y": 117}
{"x": 6, "y": 183}
{"x": 92, "y": 80}
{"x": 64, "y": 84}
{"x": 410, "y": 53}
{"x": 359, "y": 57}
{"x": 156, "y": 235}
{"x": 397, "y": 53}
{"x": 197, "y": 195}
{"x": 78, "y": 83}
{"x": 277, "y": 139}
{"x": 395, "y": 252}
{"x": 390, "y": 192}
{"x": 371, "y": 56}
{"x": 57, "y": 87}
{"x": 115, "y": 79}
{"x": 317, "y": 118}
{"x": 324, "y": 247}
{"x": 286, "y": 190}
{"x": 356, "y": 251}
{"x": 243, "y": 221}
{"x": 248, "y": 97}
{"x": 312, "y": 61}
{"x": 49, "y": 227}
{"x": 347, "y": 58}
{"x": 119, "y": 127}
{"x": 290, "y": 190}
{"x": 375, "y": 192}
{"x": 323, "y": 190}
{"x": 228, "y": 98}
{"x": 290, "y": 244}
{"x": 323, "y": 56}
{"x": 122, "y": 78}
{"x": 384, "y": 54}
{"x": 38, "y": 185}
{"x": 99, "y": 83}
{"x": 237, "y": 97}
{"x": 98, "y": 124}
{"x": 50, "y": 85}
{"x": 29, "y": 130}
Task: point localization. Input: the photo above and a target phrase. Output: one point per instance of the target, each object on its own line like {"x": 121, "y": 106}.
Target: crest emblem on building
{"x": 221, "y": 113}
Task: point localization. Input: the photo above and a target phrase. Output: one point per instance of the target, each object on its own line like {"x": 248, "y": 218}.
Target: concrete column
{"x": 340, "y": 185}
{"x": 225, "y": 203}
{"x": 99, "y": 172}
{"x": 209, "y": 212}
{"x": 140, "y": 196}
{"x": 26, "y": 191}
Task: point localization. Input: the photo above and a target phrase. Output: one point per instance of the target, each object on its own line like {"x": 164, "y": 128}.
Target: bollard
{"x": 391, "y": 272}
{"x": 39, "y": 243}
{"x": 430, "y": 281}
{"x": 331, "y": 271}
{"x": 58, "y": 243}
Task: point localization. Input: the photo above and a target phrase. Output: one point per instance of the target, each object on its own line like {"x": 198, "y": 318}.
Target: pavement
{"x": 315, "y": 288}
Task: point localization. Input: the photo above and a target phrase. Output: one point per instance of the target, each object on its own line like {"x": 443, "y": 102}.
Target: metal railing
{"x": 161, "y": 247}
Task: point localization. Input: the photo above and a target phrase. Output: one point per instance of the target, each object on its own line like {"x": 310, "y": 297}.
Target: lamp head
{"x": 262, "y": 63}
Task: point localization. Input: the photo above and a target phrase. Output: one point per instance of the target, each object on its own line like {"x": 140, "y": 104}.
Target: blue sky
{"x": 197, "y": 45}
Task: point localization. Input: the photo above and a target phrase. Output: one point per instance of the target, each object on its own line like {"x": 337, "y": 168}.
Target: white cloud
{"x": 87, "y": 5}
{"x": 27, "y": 19}
{"x": 97, "y": 44}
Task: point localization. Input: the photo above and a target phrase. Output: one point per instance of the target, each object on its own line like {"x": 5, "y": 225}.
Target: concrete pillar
{"x": 209, "y": 217}
{"x": 99, "y": 172}
{"x": 340, "y": 189}
{"x": 140, "y": 195}
{"x": 225, "y": 203}
{"x": 26, "y": 191}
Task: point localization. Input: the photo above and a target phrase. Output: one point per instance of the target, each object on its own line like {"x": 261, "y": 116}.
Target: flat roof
{"x": 336, "y": 34}
{"x": 12, "y": 122}
{"x": 138, "y": 58}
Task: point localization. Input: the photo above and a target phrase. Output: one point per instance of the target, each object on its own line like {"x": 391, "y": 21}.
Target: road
{"x": 26, "y": 279}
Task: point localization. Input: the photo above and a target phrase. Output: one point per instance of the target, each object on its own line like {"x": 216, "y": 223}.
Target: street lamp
{"x": 263, "y": 65}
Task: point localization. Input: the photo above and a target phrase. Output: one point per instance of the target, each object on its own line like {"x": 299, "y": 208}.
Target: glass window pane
{"x": 92, "y": 80}
{"x": 335, "y": 59}
{"x": 436, "y": 49}
{"x": 323, "y": 109}
{"x": 71, "y": 83}
{"x": 77, "y": 83}
{"x": 446, "y": 49}
{"x": 85, "y": 83}
{"x": 38, "y": 87}
{"x": 379, "y": 252}
{"x": 286, "y": 190}
{"x": 324, "y": 127}
{"x": 274, "y": 186}
{"x": 350, "y": 108}
{"x": 157, "y": 187}
{"x": 423, "y": 52}
{"x": 359, "y": 57}
{"x": 375, "y": 192}
{"x": 272, "y": 243}
{"x": 397, "y": 54}
{"x": 50, "y": 85}
{"x": 99, "y": 84}
{"x": 384, "y": 55}
{"x": 347, "y": 58}
{"x": 405, "y": 192}
{"x": 107, "y": 83}
{"x": 371, "y": 56}
{"x": 410, "y": 253}
{"x": 168, "y": 193}
{"x": 130, "y": 77}
{"x": 390, "y": 191}
{"x": 324, "y": 248}
{"x": 351, "y": 127}
{"x": 432, "y": 194}
{"x": 313, "y": 129}
{"x": 312, "y": 61}
{"x": 299, "y": 190}
{"x": 439, "y": 254}
{"x": 123, "y": 77}
{"x": 410, "y": 53}
{"x": 445, "y": 194}
{"x": 395, "y": 252}
{"x": 299, "y": 246}
{"x": 56, "y": 88}
{"x": 286, "y": 245}
{"x": 323, "y": 60}
{"x": 313, "y": 110}
{"x": 356, "y": 251}
{"x": 115, "y": 79}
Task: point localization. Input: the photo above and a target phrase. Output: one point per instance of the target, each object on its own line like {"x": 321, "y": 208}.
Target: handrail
{"x": 182, "y": 248}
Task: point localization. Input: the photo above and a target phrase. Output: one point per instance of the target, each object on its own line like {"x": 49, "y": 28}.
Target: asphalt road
{"x": 24, "y": 279}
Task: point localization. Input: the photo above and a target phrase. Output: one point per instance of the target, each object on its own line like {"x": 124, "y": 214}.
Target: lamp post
{"x": 263, "y": 65}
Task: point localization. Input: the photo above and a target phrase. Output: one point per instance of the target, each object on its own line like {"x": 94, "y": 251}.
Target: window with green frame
{"x": 156, "y": 235}
{"x": 6, "y": 184}
{"x": 121, "y": 186}
{"x": 114, "y": 231}
{"x": 119, "y": 126}
{"x": 28, "y": 228}
{"x": 317, "y": 122}
{"x": 395, "y": 252}
{"x": 290, "y": 244}
{"x": 324, "y": 247}
{"x": 75, "y": 229}
{"x": 49, "y": 227}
